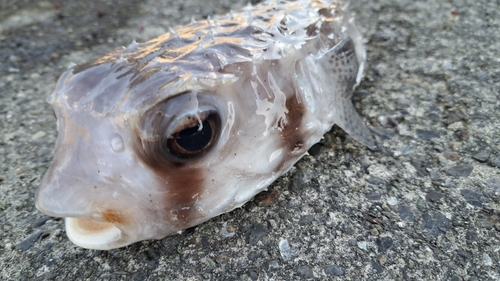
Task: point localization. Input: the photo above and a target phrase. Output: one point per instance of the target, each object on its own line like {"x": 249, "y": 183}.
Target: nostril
{"x": 117, "y": 143}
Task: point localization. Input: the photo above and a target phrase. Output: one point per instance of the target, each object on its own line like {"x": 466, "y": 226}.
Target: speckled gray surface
{"x": 425, "y": 207}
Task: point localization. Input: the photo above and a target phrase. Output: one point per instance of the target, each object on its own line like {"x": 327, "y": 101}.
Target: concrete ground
{"x": 424, "y": 207}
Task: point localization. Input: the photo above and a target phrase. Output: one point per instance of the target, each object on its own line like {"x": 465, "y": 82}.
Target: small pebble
{"x": 377, "y": 266}
{"x": 334, "y": 270}
{"x": 29, "y": 242}
{"x": 438, "y": 148}
{"x": 306, "y": 271}
{"x": 427, "y": 134}
{"x": 266, "y": 198}
{"x": 462, "y": 170}
{"x": 38, "y": 135}
{"x": 406, "y": 150}
{"x": 34, "y": 75}
{"x": 226, "y": 233}
{"x": 456, "y": 126}
{"x": 41, "y": 221}
{"x": 496, "y": 162}
{"x": 434, "y": 224}
{"x": 433, "y": 196}
{"x": 285, "y": 250}
{"x": 481, "y": 156}
{"x": 363, "y": 245}
{"x": 373, "y": 196}
{"x": 455, "y": 145}
{"x": 453, "y": 156}
{"x": 384, "y": 243}
{"x": 273, "y": 265}
{"x": 494, "y": 183}
{"x": 254, "y": 275}
{"x": 382, "y": 260}
{"x": 483, "y": 75}
{"x": 392, "y": 201}
{"x": 487, "y": 260}
{"x": 255, "y": 233}
{"x": 306, "y": 219}
{"x": 472, "y": 197}
{"x": 408, "y": 213}
{"x": 14, "y": 58}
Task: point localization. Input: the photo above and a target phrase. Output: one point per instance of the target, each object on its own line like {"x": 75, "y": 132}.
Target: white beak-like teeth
{"x": 92, "y": 234}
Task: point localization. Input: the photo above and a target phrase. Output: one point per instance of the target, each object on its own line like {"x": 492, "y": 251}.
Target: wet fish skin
{"x": 164, "y": 135}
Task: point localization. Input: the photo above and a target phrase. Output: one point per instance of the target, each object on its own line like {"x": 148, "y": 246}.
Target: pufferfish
{"x": 164, "y": 135}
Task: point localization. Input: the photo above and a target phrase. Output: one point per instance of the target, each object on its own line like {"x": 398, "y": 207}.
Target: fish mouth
{"x": 93, "y": 234}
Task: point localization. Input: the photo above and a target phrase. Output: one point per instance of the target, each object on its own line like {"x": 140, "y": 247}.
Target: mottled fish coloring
{"x": 163, "y": 135}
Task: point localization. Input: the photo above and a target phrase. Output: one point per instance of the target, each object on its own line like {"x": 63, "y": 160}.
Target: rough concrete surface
{"x": 424, "y": 207}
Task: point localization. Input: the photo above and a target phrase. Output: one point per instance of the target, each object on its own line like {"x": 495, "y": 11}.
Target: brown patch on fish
{"x": 326, "y": 12}
{"x": 114, "y": 217}
{"x": 292, "y": 134}
{"x": 92, "y": 226}
{"x": 185, "y": 185}
{"x": 183, "y": 182}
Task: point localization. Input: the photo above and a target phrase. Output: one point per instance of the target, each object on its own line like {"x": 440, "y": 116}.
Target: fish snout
{"x": 96, "y": 185}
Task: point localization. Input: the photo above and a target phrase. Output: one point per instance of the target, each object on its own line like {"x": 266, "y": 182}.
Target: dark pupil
{"x": 192, "y": 139}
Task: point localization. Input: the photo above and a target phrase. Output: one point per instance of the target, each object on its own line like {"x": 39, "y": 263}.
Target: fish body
{"x": 163, "y": 135}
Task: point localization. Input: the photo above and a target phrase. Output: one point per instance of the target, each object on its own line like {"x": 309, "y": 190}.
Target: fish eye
{"x": 193, "y": 135}
{"x": 182, "y": 128}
